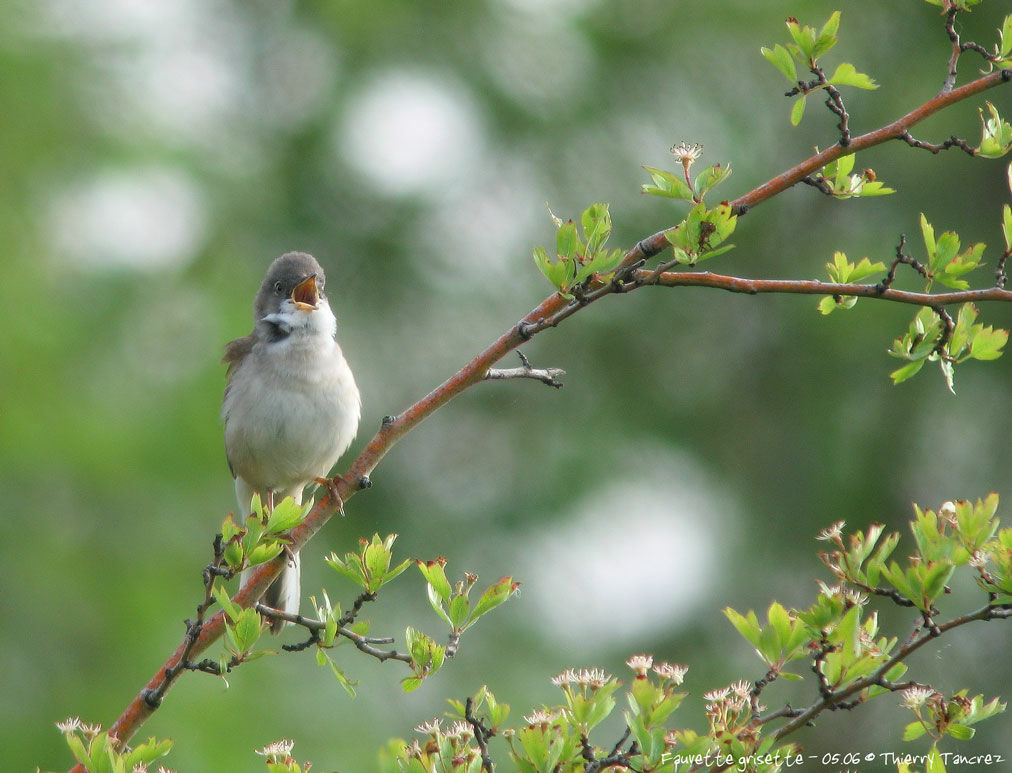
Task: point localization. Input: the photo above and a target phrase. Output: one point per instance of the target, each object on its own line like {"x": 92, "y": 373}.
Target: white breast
{"x": 291, "y": 410}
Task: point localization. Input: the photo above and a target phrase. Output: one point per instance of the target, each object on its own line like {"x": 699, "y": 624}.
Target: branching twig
{"x": 952, "y": 142}
{"x": 736, "y": 284}
{"x": 901, "y": 257}
{"x": 549, "y": 376}
{"x": 153, "y": 696}
{"x": 363, "y": 643}
{"x": 840, "y": 699}
{"x": 481, "y": 735}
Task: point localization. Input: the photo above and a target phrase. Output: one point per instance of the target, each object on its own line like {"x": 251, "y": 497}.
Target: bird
{"x": 291, "y": 406}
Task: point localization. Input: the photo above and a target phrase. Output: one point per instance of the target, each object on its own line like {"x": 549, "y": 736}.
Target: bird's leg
{"x": 331, "y": 484}
{"x": 270, "y": 500}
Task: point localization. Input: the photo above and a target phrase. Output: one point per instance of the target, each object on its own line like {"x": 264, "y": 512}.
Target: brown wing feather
{"x": 235, "y": 351}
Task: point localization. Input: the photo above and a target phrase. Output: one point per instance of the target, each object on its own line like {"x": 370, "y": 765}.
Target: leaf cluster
{"x": 807, "y": 47}
{"x": 579, "y": 256}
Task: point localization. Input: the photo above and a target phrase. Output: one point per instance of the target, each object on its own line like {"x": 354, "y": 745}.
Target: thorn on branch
{"x": 952, "y": 142}
{"x": 549, "y": 376}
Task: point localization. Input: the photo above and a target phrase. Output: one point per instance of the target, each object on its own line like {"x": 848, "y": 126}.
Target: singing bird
{"x": 291, "y": 405}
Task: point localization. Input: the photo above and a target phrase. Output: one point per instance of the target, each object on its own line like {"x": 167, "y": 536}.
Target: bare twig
{"x": 481, "y": 735}
{"x": 363, "y": 643}
{"x": 549, "y": 376}
{"x": 952, "y": 142}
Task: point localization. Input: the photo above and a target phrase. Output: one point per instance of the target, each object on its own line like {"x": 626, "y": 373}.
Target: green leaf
{"x": 960, "y": 732}
{"x": 748, "y": 627}
{"x": 827, "y": 36}
{"x": 493, "y": 596}
{"x": 798, "y": 110}
{"x": 847, "y": 75}
{"x": 913, "y": 731}
{"x": 1006, "y": 220}
{"x": 781, "y": 58}
{"x": 907, "y": 371}
{"x": 668, "y": 184}
{"x": 928, "y": 233}
{"x": 459, "y": 609}
{"x": 247, "y": 629}
{"x": 996, "y": 134}
{"x": 710, "y": 178}
{"x": 803, "y": 36}
{"x": 410, "y": 683}
{"x": 285, "y": 515}
{"x": 827, "y": 304}
{"x": 435, "y": 576}
{"x": 230, "y": 608}
{"x": 1004, "y": 47}
{"x": 987, "y": 344}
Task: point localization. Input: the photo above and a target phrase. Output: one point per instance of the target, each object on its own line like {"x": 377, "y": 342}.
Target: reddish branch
{"x": 549, "y": 313}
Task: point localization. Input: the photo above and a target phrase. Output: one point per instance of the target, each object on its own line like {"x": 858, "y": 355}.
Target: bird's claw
{"x": 332, "y": 486}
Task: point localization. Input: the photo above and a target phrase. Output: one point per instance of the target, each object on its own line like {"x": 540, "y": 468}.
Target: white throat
{"x": 295, "y": 321}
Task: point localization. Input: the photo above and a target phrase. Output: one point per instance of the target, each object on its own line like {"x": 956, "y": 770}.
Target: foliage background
{"x": 156, "y": 156}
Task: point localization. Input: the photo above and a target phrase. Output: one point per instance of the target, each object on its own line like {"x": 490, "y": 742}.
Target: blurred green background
{"x": 155, "y": 156}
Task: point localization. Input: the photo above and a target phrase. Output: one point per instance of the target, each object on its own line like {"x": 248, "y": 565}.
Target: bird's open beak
{"x": 305, "y": 294}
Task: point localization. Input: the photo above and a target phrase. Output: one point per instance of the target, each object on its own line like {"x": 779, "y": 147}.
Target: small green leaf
{"x": 987, "y": 344}
{"x": 494, "y": 596}
{"x": 435, "y": 575}
{"x": 566, "y": 240}
{"x": 1006, "y": 221}
{"x": 996, "y": 134}
{"x": 928, "y": 233}
{"x": 913, "y": 731}
{"x": 907, "y": 371}
{"x": 798, "y": 110}
{"x": 847, "y": 75}
{"x": 709, "y": 178}
{"x": 960, "y": 732}
{"x": 410, "y": 683}
{"x": 285, "y": 515}
{"x": 827, "y": 304}
{"x": 804, "y": 37}
{"x": 781, "y": 58}
{"x": 667, "y": 184}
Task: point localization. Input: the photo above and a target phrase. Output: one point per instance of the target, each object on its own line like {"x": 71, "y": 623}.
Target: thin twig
{"x": 363, "y": 643}
{"x": 952, "y": 142}
{"x": 549, "y": 376}
{"x": 481, "y": 735}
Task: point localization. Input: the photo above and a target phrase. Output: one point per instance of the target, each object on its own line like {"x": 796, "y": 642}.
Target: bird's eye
{"x": 277, "y": 287}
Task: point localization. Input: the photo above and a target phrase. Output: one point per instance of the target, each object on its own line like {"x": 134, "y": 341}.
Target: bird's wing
{"x": 235, "y": 351}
